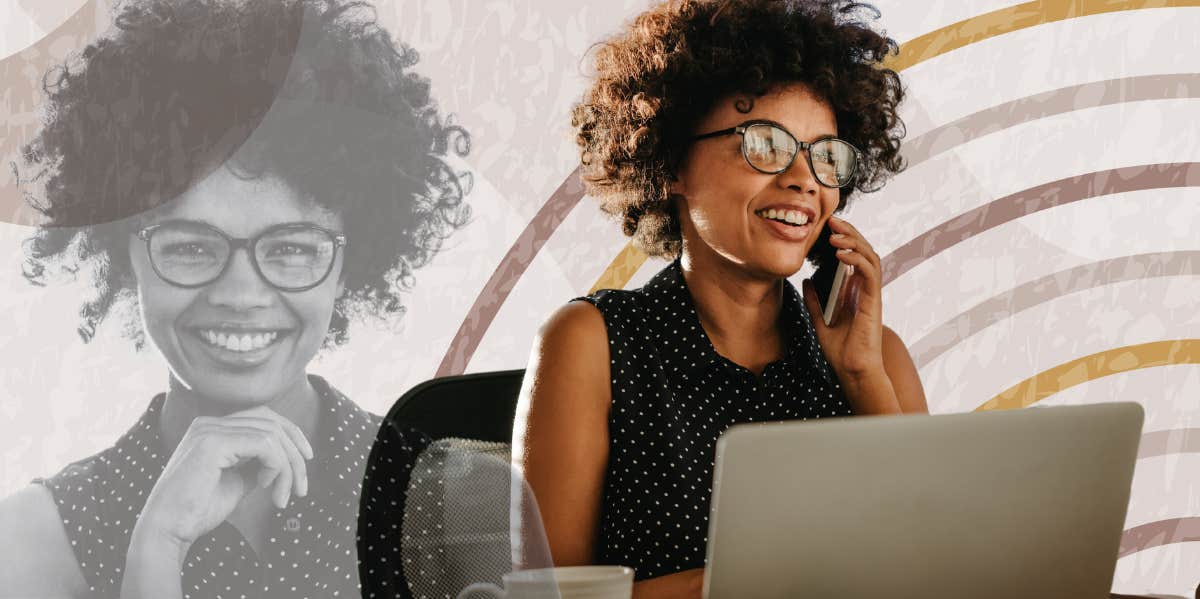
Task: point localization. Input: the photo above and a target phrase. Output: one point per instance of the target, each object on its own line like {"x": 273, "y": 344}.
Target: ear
{"x": 677, "y": 188}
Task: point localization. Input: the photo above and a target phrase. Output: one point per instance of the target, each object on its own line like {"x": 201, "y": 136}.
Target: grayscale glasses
{"x": 289, "y": 257}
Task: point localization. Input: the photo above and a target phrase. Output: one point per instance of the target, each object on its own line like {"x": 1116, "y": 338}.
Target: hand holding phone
{"x": 831, "y": 284}
{"x": 836, "y": 295}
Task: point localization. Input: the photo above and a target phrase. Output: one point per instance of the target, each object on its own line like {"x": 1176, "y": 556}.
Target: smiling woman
{"x": 250, "y": 175}
{"x": 724, "y": 136}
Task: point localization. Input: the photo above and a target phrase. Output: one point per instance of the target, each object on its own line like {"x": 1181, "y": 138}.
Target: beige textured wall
{"x": 1062, "y": 157}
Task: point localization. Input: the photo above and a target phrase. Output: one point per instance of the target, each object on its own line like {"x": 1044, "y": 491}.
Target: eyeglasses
{"x": 771, "y": 149}
{"x": 289, "y": 257}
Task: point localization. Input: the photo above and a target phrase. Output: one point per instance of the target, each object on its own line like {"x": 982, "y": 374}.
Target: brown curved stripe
{"x": 505, "y": 277}
{"x": 1032, "y": 200}
{"x": 21, "y": 80}
{"x": 1036, "y": 292}
{"x": 1157, "y": 534}
{"x": 1051, "y": 103}
{"x": 1160, "y": 443}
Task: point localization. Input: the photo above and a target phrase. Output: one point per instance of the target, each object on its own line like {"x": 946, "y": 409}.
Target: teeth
{"x": 794, "y": 217}
{"x": 240, "y": 343}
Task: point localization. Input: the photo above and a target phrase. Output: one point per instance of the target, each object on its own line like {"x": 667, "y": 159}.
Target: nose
{"x": 799, "y": 177}
{"x": 240, "y": 287}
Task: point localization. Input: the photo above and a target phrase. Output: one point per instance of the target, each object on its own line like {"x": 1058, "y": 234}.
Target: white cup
{"x": 571, "y": 582}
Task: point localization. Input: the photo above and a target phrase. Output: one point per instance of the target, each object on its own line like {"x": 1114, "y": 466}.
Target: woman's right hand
{"x": 219, "y": 461}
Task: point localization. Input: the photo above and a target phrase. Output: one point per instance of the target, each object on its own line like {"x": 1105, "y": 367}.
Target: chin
{"x": 236, "y": 392}
{"x": 781, "y": 266}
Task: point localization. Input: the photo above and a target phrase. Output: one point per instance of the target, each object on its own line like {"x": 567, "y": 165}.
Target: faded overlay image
{"x": 233, "y": 183}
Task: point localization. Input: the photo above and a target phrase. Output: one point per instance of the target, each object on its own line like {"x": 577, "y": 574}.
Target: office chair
{"x": 458, "y": 527}
{"x": 478, "y": 406}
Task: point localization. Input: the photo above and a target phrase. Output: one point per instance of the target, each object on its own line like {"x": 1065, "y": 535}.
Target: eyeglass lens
{"x": 192, "y": 254}
{"x": 771, "y": 149}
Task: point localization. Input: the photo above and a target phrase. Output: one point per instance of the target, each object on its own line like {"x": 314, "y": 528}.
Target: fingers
{"x": 862, "y": 264}
{"x": 287, "y": 443}
{"x": 846, "y": 236}
{"x": 262, "y": 435}
{"x": 233, "y": 446}
{"x": 288, "y": 427}
{"x": 854, "y": 250}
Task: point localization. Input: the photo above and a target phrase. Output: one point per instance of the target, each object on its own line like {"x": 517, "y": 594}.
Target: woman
{"x": 250, "y": 175}
{"x": 724, "y": 136}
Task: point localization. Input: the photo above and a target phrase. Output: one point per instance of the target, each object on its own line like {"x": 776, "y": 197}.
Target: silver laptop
{"x": 1024, "y": 503}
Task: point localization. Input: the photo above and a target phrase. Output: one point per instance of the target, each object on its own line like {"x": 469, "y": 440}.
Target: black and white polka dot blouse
{"x": 310, "y": 549}
{"x": 672, "y": 397}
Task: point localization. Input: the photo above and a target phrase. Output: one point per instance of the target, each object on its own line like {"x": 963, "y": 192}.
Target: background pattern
{"x": 1040, "y": 248}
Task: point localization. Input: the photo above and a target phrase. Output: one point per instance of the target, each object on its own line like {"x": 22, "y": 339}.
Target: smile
{"x": 238, "y": 342}
{"x": 790, "y": 217}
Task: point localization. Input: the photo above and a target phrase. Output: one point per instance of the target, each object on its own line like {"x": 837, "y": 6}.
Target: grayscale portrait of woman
{"x": 230, "y": 183}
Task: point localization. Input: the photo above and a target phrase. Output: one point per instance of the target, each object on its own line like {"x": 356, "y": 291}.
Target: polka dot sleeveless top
{"x": 310, "y": 549}
{"x": 672, "y": 397}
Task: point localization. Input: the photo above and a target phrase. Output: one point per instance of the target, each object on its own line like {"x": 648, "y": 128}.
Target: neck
{"x": 299, "y": 403}
{"x": 735, "y": 307}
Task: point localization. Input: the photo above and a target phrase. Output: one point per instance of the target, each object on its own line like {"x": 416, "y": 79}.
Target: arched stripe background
{"x": 477, "y": 306}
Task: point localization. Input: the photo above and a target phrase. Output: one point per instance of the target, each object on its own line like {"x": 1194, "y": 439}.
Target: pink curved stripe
{"x": 1157, "y": 534}
{"x": 1169, "y": 442}
{"x": 512, "y": 266}
{"x": 1046, "y": 104}
{"x": 1032, "y": 200}
{"x": 1050, "y": 287}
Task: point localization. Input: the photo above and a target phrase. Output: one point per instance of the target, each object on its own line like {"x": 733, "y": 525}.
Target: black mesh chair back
{"x": 477, "y": 406}
{"x": 457, "y": 520}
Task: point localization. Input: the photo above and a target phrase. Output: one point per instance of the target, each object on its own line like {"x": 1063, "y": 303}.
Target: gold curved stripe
{"x": 621, "y": 269}
{"x": 933, "y": 44}
{"x": 1089, "y": 368}
{"x": 1010, "y": 19}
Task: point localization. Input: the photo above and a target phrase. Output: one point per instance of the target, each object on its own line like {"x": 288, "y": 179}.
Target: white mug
{"x": 571, "y": 582}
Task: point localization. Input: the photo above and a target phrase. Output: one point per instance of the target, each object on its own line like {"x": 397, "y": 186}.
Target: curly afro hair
{"x": 312, "y": 91}
{"x": 657, "y": 79}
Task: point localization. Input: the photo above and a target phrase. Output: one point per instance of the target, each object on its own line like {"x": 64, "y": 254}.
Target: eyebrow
{"x": 782, "y": 126}
{"x": 201, "y": 221}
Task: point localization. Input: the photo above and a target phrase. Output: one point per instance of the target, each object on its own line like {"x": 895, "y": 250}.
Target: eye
{"x": 287, "y": 248}
{"x": 184, "y": 248}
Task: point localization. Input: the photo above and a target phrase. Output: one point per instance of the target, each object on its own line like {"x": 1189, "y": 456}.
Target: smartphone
{"x": 835, "y": 297}
{"x": 832, "y": 283}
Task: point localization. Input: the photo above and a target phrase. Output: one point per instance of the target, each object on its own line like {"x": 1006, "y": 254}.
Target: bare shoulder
{"x": 566, "y": 381}
{"x": 576, "y": 322}
{"x": 36, "y": 554}
{"x": 571, "y": 349}
{"x": 903, "y": 373}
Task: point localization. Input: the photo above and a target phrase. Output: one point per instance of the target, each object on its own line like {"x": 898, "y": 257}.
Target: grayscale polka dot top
{"x": 672, "y": 397}
{"x": 311, "y": 551}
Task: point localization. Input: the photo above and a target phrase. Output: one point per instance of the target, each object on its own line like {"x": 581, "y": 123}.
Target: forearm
{"x": 681, "y": 585}
{"x": 152, "y": 568}
{"x": 871, "y": 393}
